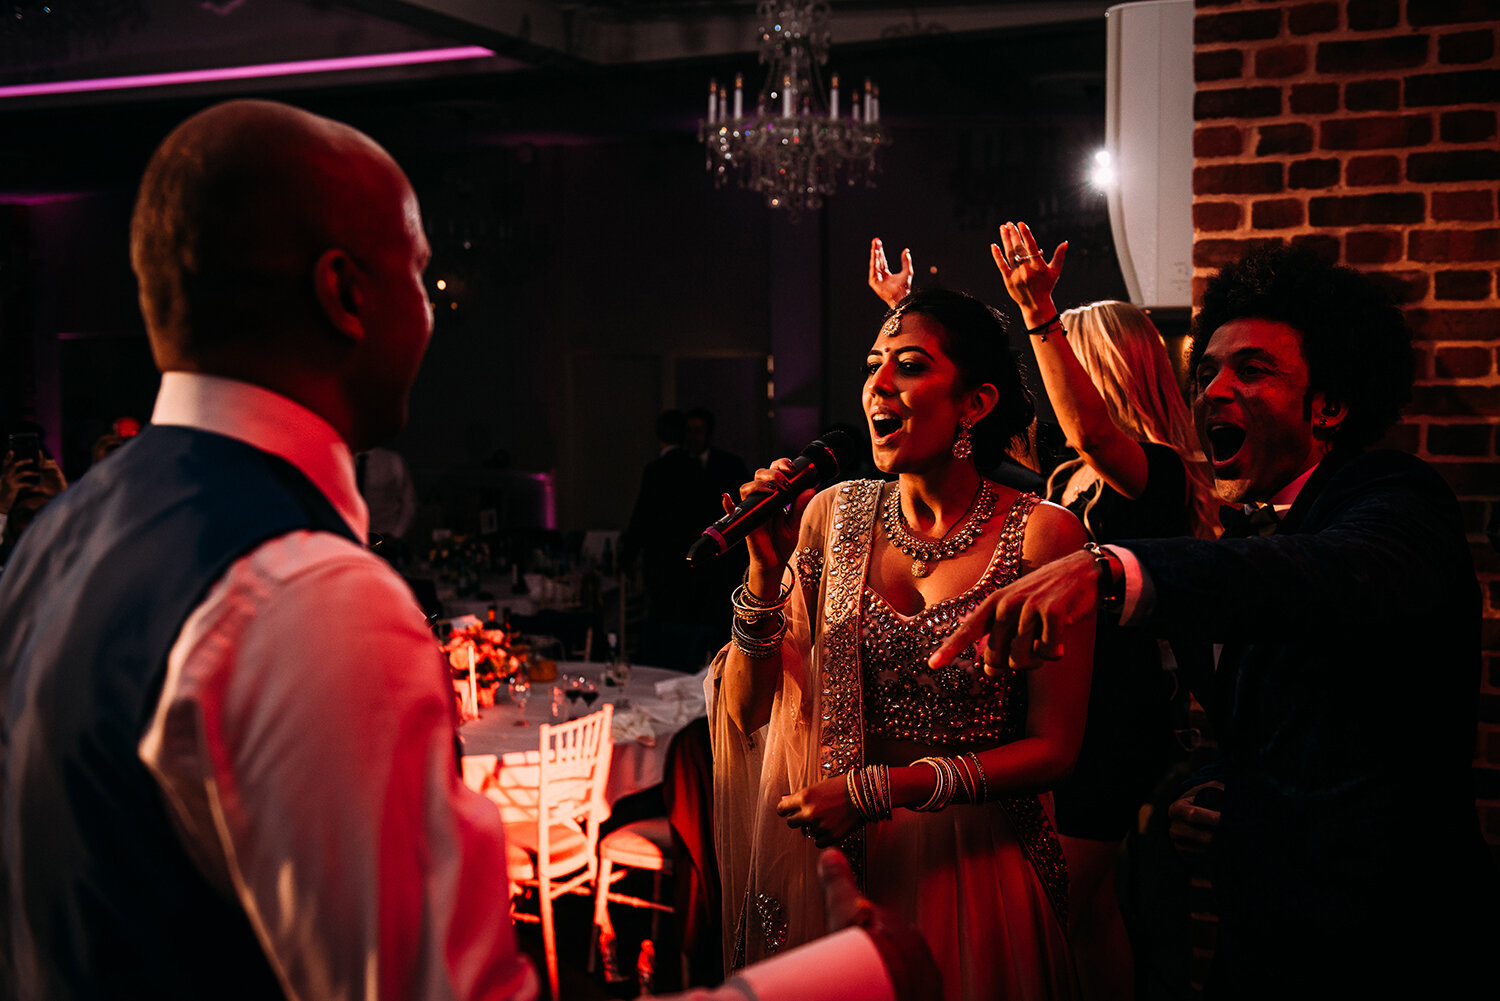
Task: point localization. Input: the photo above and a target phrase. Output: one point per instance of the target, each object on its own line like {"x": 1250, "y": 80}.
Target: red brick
{"x": 1277, "y": 213}
{"x": 1281, "y": 61}
{"x": 1221, "y": 64}
{"x": 1373, "y": 15}
{"x": 1454, "y": 324}
{"x": 1476, "y": 205}
{"x": 1462, "y": 285}
{"x": 1425, "y": 13}
{"x": 1460, "y": 439}
{"x": 1460, "y": 165}
{"x": 1217, "y": 253}
{"x": 1322, "y": 244}
{"x": 1370, "y": 171}
{"x": 1239, "y": 26}
{"x": 1367, "y": 210}
{"x": 1237, "y": 102}
{"x": 1404, "y": 286}
{"x": 1238, "y": 179}
{"x": 1453, "y": 245}
{"x": 1462, "y": 363}
{"x": 1463, "y": 47}
{"x": 1218, "y": 140}
{"x": 1469, "y": 126}
{"x": 1379, "y": 132}
{"x": 1474, "y": 514}
{"x": 1373, "y": 55}
{"x": 1278, "y": 139}
{"x": 1213, "y": 217}
{"x": 1372, "y": 95}
{"x": 1494, "y": 590}
{"x": 1372, "y": 246}
{"x": 1315, "y": 98}
{"x": 1456, "y": 401}
{"x": 1304, "y": 174}
{"x": 1459, "y": 87}
{"x": 1313, "y": 18}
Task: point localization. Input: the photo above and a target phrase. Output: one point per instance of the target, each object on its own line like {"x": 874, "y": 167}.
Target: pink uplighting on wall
{"x": 305, "y": 66}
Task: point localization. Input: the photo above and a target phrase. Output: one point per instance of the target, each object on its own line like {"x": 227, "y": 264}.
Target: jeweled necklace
{"x": 925, "y": 554}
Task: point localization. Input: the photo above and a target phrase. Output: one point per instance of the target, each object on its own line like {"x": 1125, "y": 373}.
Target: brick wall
{"x": 1367, "y": 128}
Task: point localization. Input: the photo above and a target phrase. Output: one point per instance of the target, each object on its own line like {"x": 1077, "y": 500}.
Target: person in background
{"x": 26, "y": 485}
{"x": 828, "y": 728}
{"x": 385, "y": 484}
{"x": 723, "y": 473}
{"x": 1137, "y": 474}
{"x": 1347, "y": 858}
{"x": 121, "y": 430}
{"x": 226, "y": 772}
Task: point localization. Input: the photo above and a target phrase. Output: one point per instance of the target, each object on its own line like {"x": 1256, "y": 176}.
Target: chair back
{"x": 574, "y": 770}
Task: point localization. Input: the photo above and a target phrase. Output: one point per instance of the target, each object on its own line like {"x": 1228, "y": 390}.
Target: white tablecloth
{"x": 500, "y": 757}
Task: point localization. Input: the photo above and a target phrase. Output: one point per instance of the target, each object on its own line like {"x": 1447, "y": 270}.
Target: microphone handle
{"x": 718, "y": 538}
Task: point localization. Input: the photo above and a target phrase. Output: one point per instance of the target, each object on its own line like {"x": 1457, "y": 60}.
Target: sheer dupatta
{"x": 772, "y": 897}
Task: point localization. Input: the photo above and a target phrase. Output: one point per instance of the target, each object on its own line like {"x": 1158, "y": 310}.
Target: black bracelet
{"x": 1111, "y": 587}
{"x": 1054, "y": 325}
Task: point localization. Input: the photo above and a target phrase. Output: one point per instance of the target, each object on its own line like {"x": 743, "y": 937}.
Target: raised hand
{"x": 891, "y": 288}
{"x": 1194, "y": 818}
{"x": 1029, "y": 277}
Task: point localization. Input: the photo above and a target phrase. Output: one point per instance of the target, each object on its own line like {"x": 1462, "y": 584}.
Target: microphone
{"x": 818, "y": 463}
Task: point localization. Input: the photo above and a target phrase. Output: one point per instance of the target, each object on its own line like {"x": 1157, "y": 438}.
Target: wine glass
{"x": 574, "y": 691}
{"x": 590, "y": 692}
{"x": 520, "y": 691}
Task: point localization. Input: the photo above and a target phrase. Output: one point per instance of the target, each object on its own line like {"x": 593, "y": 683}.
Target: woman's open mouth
{"x": 885, "y": 425}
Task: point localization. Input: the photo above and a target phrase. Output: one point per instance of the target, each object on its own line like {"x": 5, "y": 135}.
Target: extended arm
{"x": 1081, "y": 412}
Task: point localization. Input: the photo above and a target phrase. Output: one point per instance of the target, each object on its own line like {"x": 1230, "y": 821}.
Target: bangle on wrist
{"x": 1111, "y": 584}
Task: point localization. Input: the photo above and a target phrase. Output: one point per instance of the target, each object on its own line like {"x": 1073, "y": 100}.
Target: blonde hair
{"x": 1126, "y": 359}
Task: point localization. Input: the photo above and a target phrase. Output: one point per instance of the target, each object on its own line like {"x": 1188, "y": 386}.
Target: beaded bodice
{"x": 958, "y": 705}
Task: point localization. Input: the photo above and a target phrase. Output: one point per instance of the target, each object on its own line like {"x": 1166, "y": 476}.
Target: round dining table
{"x": 501, "y": 747}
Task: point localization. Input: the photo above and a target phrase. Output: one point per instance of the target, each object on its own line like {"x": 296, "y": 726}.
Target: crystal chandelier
{"x": 793, "y": 147}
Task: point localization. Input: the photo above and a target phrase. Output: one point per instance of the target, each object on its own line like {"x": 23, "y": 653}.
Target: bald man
{"x": 228, "y": 752}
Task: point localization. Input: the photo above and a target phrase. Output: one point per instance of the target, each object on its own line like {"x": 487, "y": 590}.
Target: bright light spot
{"x": 1102, "y": 174}
{"x": 441, "y": 284}
{"x": 452, "y": 305}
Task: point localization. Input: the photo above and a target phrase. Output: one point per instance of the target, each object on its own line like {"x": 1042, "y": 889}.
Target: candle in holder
{"x": 739, "y": 95}
{"x": 713, "y": 99}
{"x": 833, "y": 100}
{"x": 786, "y": 96}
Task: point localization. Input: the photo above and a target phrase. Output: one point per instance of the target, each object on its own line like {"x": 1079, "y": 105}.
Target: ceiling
{"x": 66, "y": 53}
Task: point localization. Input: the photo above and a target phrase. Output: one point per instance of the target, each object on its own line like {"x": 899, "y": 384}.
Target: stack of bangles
{"x": 963, "y": 774}
{"x": 869, "y": 791}
{"x": 750, "y": 611}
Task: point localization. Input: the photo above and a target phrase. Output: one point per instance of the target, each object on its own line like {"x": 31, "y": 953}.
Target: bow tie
{"x": 1239, "y": 525}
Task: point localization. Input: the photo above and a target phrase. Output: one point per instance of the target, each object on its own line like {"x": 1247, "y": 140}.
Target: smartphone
{"x": 25, "y": 445}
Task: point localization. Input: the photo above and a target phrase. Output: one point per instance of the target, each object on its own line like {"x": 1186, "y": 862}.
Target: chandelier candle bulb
{"x": 868, "y": 108}
{"x": 739, "y": 95}
{"x": 786, "y": 96}
{"x": 875, "y": 105}
{"x": 833, "y": 100}
{"x": 713, "y": 100}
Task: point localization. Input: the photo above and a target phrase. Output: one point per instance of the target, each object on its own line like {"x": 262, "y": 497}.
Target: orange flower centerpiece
{"x": 482, "y": 658}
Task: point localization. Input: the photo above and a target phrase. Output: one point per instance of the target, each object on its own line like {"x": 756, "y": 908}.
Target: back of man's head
{"x": 234, "y": 209}
{"x": 1354, "y": 338}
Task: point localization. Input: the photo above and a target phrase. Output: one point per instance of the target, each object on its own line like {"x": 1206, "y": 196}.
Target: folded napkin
{"x": 632, "y": 724}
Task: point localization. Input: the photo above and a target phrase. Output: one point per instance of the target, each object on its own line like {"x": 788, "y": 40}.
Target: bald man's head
{"x": 234, "y": 210}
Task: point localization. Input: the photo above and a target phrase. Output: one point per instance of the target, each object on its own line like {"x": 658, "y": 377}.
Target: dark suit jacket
{"x": 1345, "y": 701}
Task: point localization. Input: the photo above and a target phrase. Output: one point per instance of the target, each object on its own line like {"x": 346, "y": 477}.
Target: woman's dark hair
{"x": 1354, "y": 338}
{"x": 975, "y": 338}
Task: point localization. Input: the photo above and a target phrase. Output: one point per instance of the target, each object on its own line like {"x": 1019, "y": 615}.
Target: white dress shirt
{"x": 304, "y": 745}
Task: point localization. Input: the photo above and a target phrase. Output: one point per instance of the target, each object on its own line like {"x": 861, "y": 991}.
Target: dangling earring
{"x": 963, "y": 445}
{"x": 1322, "y": 422}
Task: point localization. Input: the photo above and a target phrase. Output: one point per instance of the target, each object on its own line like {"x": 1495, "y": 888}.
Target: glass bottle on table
{"x": 520, "y": 691}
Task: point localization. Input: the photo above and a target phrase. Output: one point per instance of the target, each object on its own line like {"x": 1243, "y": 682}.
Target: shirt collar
{"x": 1287, "y": 495}
{"x": 272, "y": 423}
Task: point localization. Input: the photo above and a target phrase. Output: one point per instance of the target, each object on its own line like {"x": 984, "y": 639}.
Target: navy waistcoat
{"x": 99, "y": 898}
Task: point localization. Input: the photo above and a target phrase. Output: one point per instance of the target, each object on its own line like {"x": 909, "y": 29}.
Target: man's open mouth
{"x": 1225, "y": 441}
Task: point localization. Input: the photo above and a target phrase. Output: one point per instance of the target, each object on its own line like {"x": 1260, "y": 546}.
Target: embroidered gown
{"x": 985, "y": 883}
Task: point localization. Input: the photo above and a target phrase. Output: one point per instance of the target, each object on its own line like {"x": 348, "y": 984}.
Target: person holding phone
{"x": 29, "y": 478}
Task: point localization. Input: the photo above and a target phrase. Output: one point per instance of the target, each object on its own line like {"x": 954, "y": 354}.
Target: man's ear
{"x": 337, "y": 284}
{"x": 1328, "y": 413}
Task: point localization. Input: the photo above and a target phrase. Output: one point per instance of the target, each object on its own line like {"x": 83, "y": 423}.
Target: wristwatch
{"x": 1111, "y": 583}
